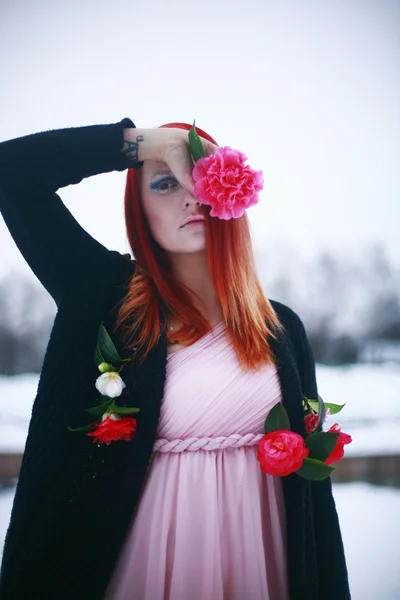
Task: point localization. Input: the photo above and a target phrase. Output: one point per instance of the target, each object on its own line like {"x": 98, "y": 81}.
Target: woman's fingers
{"x": 209, "y": 147}
{"x": 171, "y": 146}
{"x": 180, "y": 162}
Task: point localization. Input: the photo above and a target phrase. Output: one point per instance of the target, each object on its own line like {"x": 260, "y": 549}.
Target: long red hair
{"x": 249, "y": 317}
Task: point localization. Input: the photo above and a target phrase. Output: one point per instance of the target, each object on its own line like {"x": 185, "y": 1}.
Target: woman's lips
{"x": 197, "y": 223}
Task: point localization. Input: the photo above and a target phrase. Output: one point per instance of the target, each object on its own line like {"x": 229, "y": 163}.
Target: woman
{"x": 183, "y": 509}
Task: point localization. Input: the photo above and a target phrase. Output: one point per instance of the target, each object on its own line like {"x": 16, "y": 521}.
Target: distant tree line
{"x": 27, "y": 314}
{"x": 346, "y": 304}
{"x": 345, "y": 307}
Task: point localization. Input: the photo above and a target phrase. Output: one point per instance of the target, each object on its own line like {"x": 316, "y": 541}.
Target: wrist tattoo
{"x": 131, "y": 149}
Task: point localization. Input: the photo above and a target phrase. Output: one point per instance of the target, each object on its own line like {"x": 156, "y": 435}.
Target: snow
{"x": 17, "y": 395}
{"x": 371, "y": 415}
{"x": 370, "y": 530}
{"x": 371, "y": 536}
{"x": 6, "y": 499}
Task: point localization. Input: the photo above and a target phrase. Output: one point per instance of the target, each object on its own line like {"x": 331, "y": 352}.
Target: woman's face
{"x": 166, "y": 205}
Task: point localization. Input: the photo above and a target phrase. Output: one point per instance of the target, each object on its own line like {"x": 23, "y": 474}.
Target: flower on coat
{"x": 110, "y": 426}
{"x": 281, "y": 452}
{"x": 225, "y": 183}
{"x": 110, "y": 384}
{"x": 113, "y": 428}
{"x": 311, "y": 421}
{"x": 338, "y": 451}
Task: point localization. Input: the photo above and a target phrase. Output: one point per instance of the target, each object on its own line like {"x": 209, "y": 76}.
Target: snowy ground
{"x": 371, "y": 414}
{"x": 371, "y": 535}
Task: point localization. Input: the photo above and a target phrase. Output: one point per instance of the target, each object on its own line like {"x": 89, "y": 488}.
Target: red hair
{"x": 248, "y": 314}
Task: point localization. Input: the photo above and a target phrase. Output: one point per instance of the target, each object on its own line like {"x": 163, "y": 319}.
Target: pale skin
{"x": 166, "y": 190}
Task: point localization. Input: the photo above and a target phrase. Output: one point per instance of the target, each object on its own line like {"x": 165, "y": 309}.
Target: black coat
{"x": 74, "y": 500}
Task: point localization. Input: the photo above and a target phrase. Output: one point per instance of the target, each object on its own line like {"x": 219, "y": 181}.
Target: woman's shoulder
{"x": 294, "y": 328}
{"x": 127, "y": 256}
{"x": 122, "y": 262}
{"x": 114, "y": 270}
{"x": 286, "y": 315}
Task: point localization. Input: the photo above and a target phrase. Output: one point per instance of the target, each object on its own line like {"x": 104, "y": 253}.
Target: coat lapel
{"x": 296, "y": 490}
{"x": 289, "y": 380}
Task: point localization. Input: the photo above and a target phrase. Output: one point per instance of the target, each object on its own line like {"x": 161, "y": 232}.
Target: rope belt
{"x": 207, "y": 443}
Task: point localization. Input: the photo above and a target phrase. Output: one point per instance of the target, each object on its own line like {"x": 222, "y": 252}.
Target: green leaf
{"x": 333, "y": 408}
{"x": 98, "y": 357}
{"x": 123, "y": 410}
{"x": 277, "y": 418}
{"x": 100, "y": 409}
{"x": 196, "y": 145}
{"x": 106, "y": 346}
{"x": 321, "y": 444}
{"x": 314, "y": 405}
{"x": 314, "y": 469}
{"x": 85, "y": 428}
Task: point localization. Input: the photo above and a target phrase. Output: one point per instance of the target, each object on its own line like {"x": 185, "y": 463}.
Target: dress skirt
{"x": 210, "y": 525}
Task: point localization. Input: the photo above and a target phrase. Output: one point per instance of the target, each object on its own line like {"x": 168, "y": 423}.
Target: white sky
{"x": 309, "y": 90}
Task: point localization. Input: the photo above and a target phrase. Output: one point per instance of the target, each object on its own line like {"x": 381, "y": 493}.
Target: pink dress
{"x": 210, "y": 524}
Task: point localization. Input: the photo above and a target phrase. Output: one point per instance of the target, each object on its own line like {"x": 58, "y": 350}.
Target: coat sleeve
{"x": 333, "y": 576}
{"x": 32, "y": 168}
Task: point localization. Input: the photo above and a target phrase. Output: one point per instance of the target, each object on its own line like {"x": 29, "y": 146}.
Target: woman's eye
{"x": 165, "y": 185}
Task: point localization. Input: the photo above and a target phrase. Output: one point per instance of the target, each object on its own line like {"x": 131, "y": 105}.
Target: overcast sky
{"x": 308, "y": 90}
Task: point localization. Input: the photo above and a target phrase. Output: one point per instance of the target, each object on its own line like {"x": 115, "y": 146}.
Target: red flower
{"x": 311, "y": 422}
{"x": 114, "y": 428}
{"x": 225, "y": 183}
{"x": 281, "y": 452}
{"x": 338, "y": 451}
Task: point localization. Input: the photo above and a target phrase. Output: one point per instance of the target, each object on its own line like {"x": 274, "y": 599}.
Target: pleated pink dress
{"x": 210, "y": 525}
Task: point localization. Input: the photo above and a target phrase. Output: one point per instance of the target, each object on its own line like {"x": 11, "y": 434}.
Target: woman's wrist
{"x": 151, "y": 144}
{"x": 133, "y": 139}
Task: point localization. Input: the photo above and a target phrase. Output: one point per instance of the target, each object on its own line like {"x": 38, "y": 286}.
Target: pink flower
{"x": 338, "y": 451}
{"x": 225, "y": 183}
{"x": 113, "y": 428}
{"x": 281, "y": 452}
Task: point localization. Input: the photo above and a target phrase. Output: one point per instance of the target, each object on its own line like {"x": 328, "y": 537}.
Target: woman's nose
{"x": 190, "y": 199}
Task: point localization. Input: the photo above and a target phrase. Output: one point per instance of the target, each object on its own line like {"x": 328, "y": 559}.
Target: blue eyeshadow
{"x": 155, "y": 184}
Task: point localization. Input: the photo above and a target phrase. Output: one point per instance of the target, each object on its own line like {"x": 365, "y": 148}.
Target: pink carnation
{"x": 225, "y": 183}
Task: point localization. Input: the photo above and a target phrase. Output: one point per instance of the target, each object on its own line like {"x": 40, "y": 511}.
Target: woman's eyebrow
{"x": 158, "y": 173}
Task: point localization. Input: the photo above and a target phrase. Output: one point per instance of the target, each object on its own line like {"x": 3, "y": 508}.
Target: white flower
{"x": 110, "y": 384}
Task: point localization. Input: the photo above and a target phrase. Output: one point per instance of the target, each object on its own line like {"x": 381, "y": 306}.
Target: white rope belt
{"x": 206, "y": 443}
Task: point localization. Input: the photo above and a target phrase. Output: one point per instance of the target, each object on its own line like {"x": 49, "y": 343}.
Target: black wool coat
{"x": 74, "y": 500}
